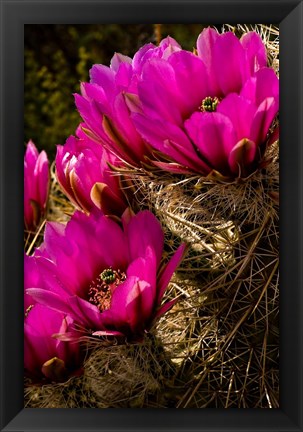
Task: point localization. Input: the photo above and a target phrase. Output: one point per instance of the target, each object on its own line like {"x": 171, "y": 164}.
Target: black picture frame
{"x": 14, "y": 15}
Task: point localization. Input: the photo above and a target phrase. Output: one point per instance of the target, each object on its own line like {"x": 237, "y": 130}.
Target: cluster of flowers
{"x": 103, "y": 274}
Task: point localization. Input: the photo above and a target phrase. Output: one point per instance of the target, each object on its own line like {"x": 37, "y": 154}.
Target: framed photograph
{"x": 149, "y": 272}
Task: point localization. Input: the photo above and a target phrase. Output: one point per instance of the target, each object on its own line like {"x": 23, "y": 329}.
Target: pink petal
{"x": 79, "y": 186}
{"x": 229, "y": 63}
{"x": 98, "y": 97}
{"x": 60, "y": 171}
{"x": 263, "y": 119}
{"x": 35, "y": 350}
{"x": 242, "y": 156}
{"x": 166, "y": 274}
{"x": 141, "y": 55}
{"x": 160, "y": 100}
{"x": 170, "y": 140}
{"x": 191, "y": 79}
{"x": 110, "y": 235}
{"x": 255, "y": 51}
{"x": 127, "y": 129}
{"x": 145, "y": 268}
{"x": 123, "y": 76}
{"x": 67, "y": 253}
{"x": 126, "y": 217}
{"x": 169, "y": 42}
{"x": 240, "y": 111}
{"x": 117, "y": 59}
{"x": 117, "y": 315}
{"x": 205, "y": 47}
{"x": 139, "y": 306}
{"x": 104, "y": 77}
{"x": 117, "y": 144}
{"x": 42, "y": 173}
{"x": 63, "y": 348}
{"x": 265, "y": 84}
{"x": 274, "y": 136}
{"x": 214, "y": 136}
{"x": 133, "y": 102}
{"x": 171, "y": 167}
{"x": 50, "y": 299}
{"x": 144, "y": 231}
{"x": 104, "y": 198}
{"x": 92, "y": 117}
{"x": 28, "y": 210}
{"x": 31, "y": 156}
{"x": 97, "y": 238}
{"x": 84, "y": 312}
{"x": 50, "y": 278}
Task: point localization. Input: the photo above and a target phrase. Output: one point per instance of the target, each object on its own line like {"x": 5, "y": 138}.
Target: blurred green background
{"x": 58, "y": 58}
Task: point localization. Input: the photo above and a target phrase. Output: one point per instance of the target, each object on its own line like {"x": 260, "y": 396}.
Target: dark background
{"x": 58, "y": 57}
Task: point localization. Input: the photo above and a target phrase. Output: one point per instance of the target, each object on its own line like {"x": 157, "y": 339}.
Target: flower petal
{"x": 50, "y": 299}
{"x": 255, "y": 51}
{"x": 264, "y": 84}
{"x": 104, "y": 77}
{"x": 234, "y": 64}
{"x": 139, "y": 306}
{"x": 263, "y": 119}
{"x": 160, "y": 100}
{"x": 144, "y": 268}
{"x": 240, "y": 111}
{"x": 42, "y": 174}
{"x": 214, "y": 135}
{"x": 117, "y": 317}
{"x": 242, "y": 156}
{"x": 117, "y": 59}
{"x": 171, "y": 167}
{"x": 167, "y": 272}
{"x": 191, "y": 79}
{"x": 170, "y": 140}
{"x": 144, "y": 231}
{"x": 105, "y": 199}
{"x": 205, "y": 47}
{"x": 84, "y": 312}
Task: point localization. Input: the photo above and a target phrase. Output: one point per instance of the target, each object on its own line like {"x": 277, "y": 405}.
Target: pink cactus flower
{"x": 105, "y": 102}
{"x": 211, "y": 111}
{"x": 108, "y": 277}
{"x": 85, "y": 177}
{"x": 36, "y": 186}
{"x": 45, "y": 357}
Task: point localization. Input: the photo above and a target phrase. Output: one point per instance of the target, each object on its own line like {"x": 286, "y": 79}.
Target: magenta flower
{"x": 215, "y": 108}
{"x": 107, "y": 277}
{"x": 84, "y": 175}
{"x": 239, "y": 59}
{"x": 36, "y": 185}
{"x": 105, "y": 102}
{"x": 45, "y": 357}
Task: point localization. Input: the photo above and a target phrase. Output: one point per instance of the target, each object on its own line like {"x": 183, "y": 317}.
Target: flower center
{"x": 209, "y": 104}
{"x": 108, "y": 276}
{"x": 101, "y": 289}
